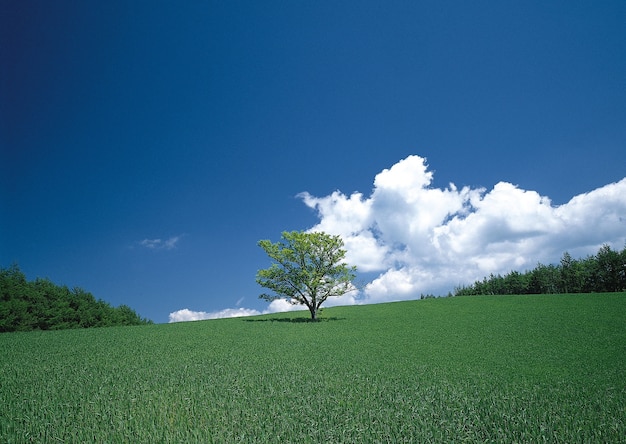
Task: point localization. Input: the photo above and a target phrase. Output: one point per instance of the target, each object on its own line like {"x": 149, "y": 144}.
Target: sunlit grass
{"x": 475, "y": 369}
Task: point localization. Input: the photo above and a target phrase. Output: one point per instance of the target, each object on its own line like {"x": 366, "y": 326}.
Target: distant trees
{"x": 43, "y": 305}
{"x": 308, "y": 269}
{"x": 603, "y": 272}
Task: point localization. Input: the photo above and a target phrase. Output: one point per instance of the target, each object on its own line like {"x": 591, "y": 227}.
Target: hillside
{"x": 472, "y": 369}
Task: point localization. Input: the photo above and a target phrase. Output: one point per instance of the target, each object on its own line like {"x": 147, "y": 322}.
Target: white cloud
{"x": 351, "y": 218}
{"x": 189, "y": 315}
{"x": 160, "y": 244}
{"x": 282, "y": 305}
{"x": 425, "y": 240}
{"x": 279, "y": 305}
{"x": 428, "y": 240}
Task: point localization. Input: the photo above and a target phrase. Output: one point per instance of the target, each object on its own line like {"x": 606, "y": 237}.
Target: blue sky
{"x": 145, "y": 147}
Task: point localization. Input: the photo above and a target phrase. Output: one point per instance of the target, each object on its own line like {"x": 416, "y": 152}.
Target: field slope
{"x": 465, "y": 369}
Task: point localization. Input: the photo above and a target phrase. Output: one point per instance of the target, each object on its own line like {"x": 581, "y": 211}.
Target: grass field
{"x": 465, "y": 369}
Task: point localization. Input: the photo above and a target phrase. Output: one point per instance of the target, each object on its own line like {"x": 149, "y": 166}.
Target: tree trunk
{"x": 313, "y": 311}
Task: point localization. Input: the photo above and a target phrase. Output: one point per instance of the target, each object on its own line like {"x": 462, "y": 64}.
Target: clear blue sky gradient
{"x": 125, "y": 121}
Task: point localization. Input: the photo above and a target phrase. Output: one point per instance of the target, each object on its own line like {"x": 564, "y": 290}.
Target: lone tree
{"x": 308, "y": 269}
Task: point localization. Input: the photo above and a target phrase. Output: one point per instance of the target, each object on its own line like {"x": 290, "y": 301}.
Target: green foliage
{"x": 483, "y": 369}
{"x": 604, "y": 272}
{"x": 42, "y": 305}
{"x": 308, "y": 269}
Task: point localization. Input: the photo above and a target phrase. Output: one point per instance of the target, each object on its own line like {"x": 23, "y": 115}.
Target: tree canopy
{"x": 603, "y": 272}
{"x": 308, "y": 269}
{"x": 43, "y": 305}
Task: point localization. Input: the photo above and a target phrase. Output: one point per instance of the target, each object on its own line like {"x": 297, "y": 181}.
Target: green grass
{"x": 466, "y": 369}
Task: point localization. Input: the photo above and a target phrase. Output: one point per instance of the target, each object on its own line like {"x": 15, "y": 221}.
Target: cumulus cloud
{"x": 189, "y": 315}
{"x": 277, "y": 306}
{"x": 160, "y": 244}
{"x": 422, "y": 239}
{"x": 414, "y": 238}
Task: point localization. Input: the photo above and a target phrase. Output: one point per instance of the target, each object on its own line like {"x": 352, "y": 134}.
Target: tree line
{"x": 603, "y": 272}
{"x": 43, "y": 305}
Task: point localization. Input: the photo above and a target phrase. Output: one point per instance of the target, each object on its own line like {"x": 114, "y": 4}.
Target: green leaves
{"x": 43, "y": 305}
{"x": 604, "y": 272}
{"x": 308, "y": 268}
